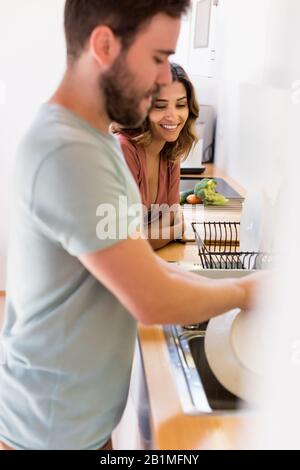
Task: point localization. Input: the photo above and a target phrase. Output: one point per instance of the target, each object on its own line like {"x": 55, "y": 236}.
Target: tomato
{"x": 193, "y": 199}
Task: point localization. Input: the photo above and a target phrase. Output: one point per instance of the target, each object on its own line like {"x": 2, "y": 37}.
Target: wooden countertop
{"x": 171, "y": 428}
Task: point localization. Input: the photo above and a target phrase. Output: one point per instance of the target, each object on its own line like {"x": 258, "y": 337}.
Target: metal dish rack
{"x": 219, "y": 247}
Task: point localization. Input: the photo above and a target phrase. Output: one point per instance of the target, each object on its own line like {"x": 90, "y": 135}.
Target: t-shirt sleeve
{"x": 173, "y": 195}
{"x": 83, "y": 201}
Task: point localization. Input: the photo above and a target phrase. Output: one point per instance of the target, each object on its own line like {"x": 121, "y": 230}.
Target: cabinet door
{"x": 202, "y": 51}
{"x": 134, "y": 430}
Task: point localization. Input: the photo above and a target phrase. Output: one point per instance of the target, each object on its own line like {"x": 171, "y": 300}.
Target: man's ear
{"x": 104, "y": 45}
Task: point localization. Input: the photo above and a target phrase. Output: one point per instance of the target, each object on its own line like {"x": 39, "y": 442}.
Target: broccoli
{"x": 206, "y": 191}
{"x": 206, "y": 183}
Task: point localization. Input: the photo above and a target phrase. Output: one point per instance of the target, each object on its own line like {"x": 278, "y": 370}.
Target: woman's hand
{"x": 170, "y": 226}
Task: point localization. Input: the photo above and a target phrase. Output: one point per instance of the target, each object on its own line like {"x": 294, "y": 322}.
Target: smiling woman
{"x": 153, "y": 153}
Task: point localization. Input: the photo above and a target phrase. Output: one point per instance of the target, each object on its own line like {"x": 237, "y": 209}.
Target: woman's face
{"x": 169, "y": 113}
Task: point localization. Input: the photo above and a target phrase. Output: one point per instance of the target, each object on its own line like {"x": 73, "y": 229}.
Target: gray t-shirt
{"x": 67, "y": 343}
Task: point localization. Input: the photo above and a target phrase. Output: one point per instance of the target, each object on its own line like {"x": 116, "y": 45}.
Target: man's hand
{"x": 252, "y": 285}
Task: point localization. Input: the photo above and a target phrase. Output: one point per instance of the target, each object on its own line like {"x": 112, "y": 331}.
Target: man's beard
{"x": 122, "y": 100}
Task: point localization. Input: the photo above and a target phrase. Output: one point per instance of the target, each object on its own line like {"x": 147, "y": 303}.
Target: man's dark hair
{"x": 125, "y": 18}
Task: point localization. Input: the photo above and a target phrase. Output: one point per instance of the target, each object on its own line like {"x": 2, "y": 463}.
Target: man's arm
{"x": 155, "y": 294}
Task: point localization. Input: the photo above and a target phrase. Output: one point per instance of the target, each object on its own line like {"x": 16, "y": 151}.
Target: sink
{"x": 199, "y": 390}
{"x": 217, "y": 396}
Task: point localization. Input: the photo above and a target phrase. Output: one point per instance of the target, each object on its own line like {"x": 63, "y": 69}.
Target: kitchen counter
{"x": 171, "y": 428}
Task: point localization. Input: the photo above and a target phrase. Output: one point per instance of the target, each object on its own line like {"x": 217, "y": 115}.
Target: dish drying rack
{"x": 219, "y": 247}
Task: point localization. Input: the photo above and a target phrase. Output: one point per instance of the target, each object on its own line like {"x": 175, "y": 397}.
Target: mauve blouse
{"x": 169, "y": 174}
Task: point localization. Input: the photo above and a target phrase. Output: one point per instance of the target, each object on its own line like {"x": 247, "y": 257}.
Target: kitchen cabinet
{"x": 202, "y": 38}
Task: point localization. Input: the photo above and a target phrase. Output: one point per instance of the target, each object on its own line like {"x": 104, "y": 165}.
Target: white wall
{"x": 258, "y": 61}
{"x": 258, "y": 143}
{"x": 32, "y": 58}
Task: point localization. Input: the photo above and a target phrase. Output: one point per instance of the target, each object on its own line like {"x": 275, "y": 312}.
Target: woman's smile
{"x": 170, "y": 127}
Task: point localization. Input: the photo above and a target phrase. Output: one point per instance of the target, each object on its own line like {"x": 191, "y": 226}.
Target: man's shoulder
{"x": 55, "y": 149}
{"x": 53, "y": 129}
{"x": 57, "y": 134}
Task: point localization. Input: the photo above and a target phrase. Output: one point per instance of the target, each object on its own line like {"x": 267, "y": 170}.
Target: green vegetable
{"x": 184, "y": 195}
{"x": 206, "y": 190}
{"x": 206, "y": 183}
